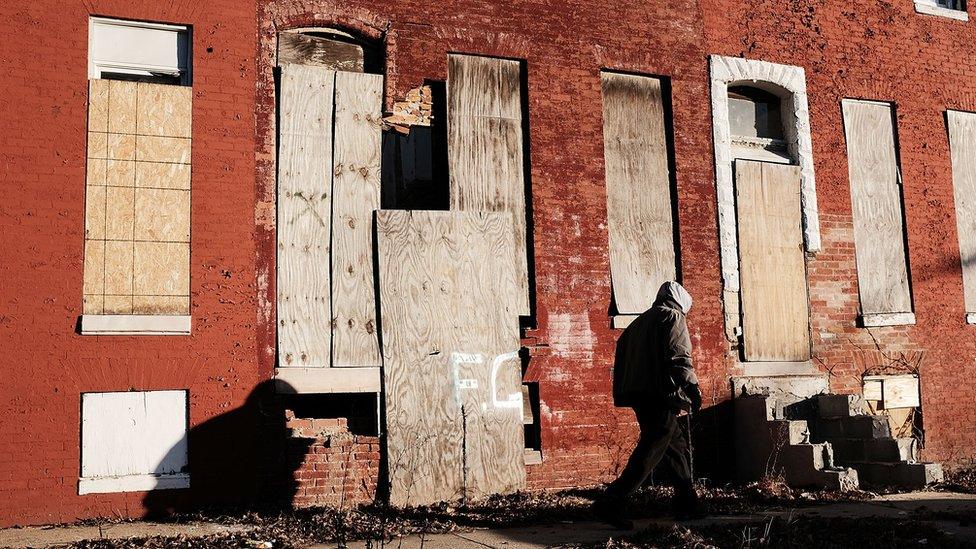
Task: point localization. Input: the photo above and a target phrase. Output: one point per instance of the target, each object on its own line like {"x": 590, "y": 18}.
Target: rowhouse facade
{"x": 203, "y": 306}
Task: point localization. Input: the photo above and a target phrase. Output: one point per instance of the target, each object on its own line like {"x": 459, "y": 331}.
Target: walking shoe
{"x": 612, "y": 512}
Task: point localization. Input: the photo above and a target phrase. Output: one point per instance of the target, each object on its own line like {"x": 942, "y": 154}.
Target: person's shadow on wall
{"x": 244, "y": 458}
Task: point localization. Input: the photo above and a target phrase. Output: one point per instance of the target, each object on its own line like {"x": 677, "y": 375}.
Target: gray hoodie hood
{"x": 672, "y": 291}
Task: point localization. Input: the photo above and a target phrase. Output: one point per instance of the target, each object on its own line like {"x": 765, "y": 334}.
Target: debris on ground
{"x": 302, "y": 527}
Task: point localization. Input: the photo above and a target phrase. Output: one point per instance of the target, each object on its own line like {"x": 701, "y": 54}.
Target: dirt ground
{"x": 767, "y": 514}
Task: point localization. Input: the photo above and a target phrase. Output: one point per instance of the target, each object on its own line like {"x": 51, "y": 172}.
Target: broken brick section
{"x": 338, "y": 468}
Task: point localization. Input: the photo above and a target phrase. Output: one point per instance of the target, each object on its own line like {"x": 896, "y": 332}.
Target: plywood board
{"x": 451, "y": 370}
{"x": 133, "y": 433}
{"x": 879, "y": 235}
{"x": 900, "y": 392}
{"x": 304, "y": 216}
{"x": 639, "y": 209}
{"x": 775, "y": 315}
{"x": 485, "y": 149}
{"x": 302, "y": 49}
{"x": 962, "y": 141}
{"x": 356, "y": 193}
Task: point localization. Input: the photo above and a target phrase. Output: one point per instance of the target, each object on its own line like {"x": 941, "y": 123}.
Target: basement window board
{"x": 940, "y": 8}
{"x": 871, "y": 320}
{"x": 135, "y": 324}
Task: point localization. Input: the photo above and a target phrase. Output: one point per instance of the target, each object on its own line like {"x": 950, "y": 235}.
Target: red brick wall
{"x": 45, "y": 364}
{"x": 882, "y": 51}
{"x": 917, "y": 62}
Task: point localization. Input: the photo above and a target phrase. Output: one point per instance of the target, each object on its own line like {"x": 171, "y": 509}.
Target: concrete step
{"x": 905, "y": 475}
{"x": 811, "y": 466}
{"x": 889, "y": 450}
{"x": 860, "y": 427}
{"x": 789, "y": 431}
{"x": 840, "y": 406}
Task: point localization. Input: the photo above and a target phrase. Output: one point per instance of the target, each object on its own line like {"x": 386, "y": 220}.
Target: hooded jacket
{"x": 652, "y": 366}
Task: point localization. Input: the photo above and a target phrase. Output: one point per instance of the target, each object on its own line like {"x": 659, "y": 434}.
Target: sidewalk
{"x": 583, "y": 533}
{"x": 942, "y": 509}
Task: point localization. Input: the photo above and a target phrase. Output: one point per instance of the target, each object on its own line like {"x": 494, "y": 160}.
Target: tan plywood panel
{"x": 639, "y": 213}
{"x": 775, "y": 314}
{"x": 879, "y": 235}
{"x": 451, "y": 371}
{"x": 303, "y": 49}
{"x": 304, "y": 216}
{"x": 962, "y": 140}
{"x": 900, "y": 392}
{"x": 485, "y": 149}
{"x": 356, "y": 193}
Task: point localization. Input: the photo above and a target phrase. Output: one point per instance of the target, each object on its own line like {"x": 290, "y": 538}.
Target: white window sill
{"x": 970, "y": 318}
{"x": 533, "y": 457}
{"x": 327, "y": 380}
{"x": 887, "y": 319}
{"x": 135, "y": 325}
{"x": 939, "y": 11}
{"x": 132, "y": 483}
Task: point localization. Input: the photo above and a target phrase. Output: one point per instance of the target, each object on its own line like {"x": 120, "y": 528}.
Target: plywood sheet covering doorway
{"x": 639, "y": 209}
{"x": 879, "y": 233}
{"x": 485, "y": 146}
{"x": 328, "y": 187}
{"x": 775, "y": 310}
{"x": 962, "y": 141}
{"x": 452, "y": 375}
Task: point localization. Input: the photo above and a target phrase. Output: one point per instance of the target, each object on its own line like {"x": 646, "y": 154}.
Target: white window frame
{"x": 932, "y": 7}
{"x": 182, "y": 69}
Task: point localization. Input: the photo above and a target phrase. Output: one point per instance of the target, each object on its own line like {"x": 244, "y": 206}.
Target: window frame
{"x": 933, "y": 7}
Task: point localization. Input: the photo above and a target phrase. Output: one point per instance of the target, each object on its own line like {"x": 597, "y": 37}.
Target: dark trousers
{"x": 663, "y": 444}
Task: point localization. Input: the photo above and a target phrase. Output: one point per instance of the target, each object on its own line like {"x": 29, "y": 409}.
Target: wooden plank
{"x": 872, "y": 389}
{"x": 485, "y": 149}
{"x": 879, "y": 235}
{"x": 775, "y": 315}
{"x": 356, "y": 193}
{"x": 302, "y": 49}
{"x": 900, "y": 392}
{"x": 962, "y": 143}
{"x": 451, "y": 371}
{"x": 327, "y": 380}
{"x": 639, "y": 209}
{"x": 304, "y": 216}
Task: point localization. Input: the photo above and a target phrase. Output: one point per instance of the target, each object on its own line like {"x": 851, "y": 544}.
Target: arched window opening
{"x": 331, "y": 48}
{"x": 756, "y": 125}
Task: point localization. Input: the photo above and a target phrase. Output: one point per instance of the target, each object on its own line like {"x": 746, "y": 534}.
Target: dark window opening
{"x": 360, "y": 409}
{"x": 754, "y": 113}
{"x": 414, "y": 164}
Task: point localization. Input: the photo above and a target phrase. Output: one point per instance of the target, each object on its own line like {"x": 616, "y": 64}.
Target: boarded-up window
{"x": 133, "y": 441}
{"x": 137, "y": 200}
{"x": 962, "y": 140}
{"x": 328, "y": 186}
{"x": 879, "y": 234}
{"x": 775, "y": 315}
{"x": 485, "y": 156}
{"x": 639, "y": 207}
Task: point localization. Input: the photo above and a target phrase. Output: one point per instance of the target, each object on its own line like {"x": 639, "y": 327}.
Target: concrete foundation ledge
{"x": 135, "y": 325}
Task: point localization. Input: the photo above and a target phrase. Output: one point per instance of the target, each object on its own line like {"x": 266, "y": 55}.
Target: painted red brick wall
{"x": 923, "y": 64}
{"x": 917, "y": 62}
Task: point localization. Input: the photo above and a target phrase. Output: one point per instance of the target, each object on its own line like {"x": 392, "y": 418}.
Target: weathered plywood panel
{"x": 302, "y": 49}
{"x": 639, "y": 212}
{"x": 775, "y": 315}
{"x": 304, "y": 216}
{"x": 485, "y": 149}
{"x": 962, "y": 141}
{"x": 356, "y": 193}
{"x": 133, "y": 433}
{"x": 900, "y": 392}
{"x": 879, "y": 235}
{"x": 451, "y": 372}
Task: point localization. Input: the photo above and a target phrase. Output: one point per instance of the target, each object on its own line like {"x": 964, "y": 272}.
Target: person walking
{"x": 653, "y": 374}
